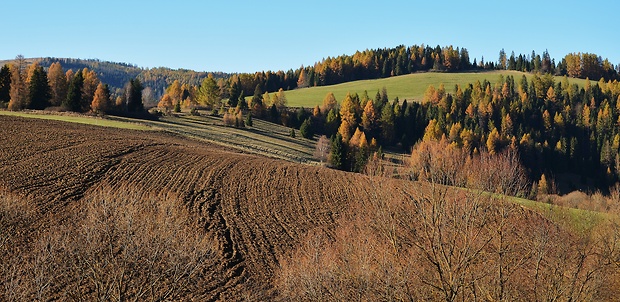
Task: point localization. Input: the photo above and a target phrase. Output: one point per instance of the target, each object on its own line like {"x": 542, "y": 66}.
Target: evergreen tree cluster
{"x": 576, "y": 65}
{"x": 557, "y": 127}
{"x": 24, "y": 86}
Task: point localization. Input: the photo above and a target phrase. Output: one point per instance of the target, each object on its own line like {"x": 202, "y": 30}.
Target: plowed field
{"x": 102, "y": 214}
{"x": 254, "y": 209}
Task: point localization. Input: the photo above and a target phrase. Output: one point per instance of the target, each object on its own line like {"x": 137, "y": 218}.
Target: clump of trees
{"x": 447, "y": 164}
{"x": 24, "y": 86}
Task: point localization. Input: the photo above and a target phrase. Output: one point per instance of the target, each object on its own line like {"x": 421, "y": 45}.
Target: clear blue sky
{"x": 248, "y": 36}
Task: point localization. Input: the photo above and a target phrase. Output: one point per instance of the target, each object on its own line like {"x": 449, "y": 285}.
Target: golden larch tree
{"x": 329, "y": 103}
{"x": 347, "y": 111}
{"x": 101, "y": 99}
{"x": 18, "y": 89}
{"x": 91, "y": 83}
{"x": 58, "y": 84}
{"x": 369, "y": 116}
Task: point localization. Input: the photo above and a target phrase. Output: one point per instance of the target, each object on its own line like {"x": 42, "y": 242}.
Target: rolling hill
{"x": 97, "y": 213}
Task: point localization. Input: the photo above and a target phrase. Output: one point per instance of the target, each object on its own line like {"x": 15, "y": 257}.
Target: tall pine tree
{"x": 5, "y": 84}
{"x": 74, "y": 94}
{"x": 133, "y": 96}
{"x": 337, "y": 155}
{"x": 38, "y": 89}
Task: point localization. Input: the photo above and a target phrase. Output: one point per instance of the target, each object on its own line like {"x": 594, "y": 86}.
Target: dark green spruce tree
{"x": 74, "y": 95}
{"x": 5, "y": 84}
{"x": 306, "y": 129}
{"x": 134, "y": 96}
{"x": 39, "y": 92}
{"x": 338, "y": 152}
{"x": 235, "y": 92}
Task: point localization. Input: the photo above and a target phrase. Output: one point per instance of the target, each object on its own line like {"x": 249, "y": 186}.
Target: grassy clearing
{"x": 575, "y": 219}
{"x": 410, "y": 87}
{"x": 80, "y": 119}
{"x": 263, "y": 138}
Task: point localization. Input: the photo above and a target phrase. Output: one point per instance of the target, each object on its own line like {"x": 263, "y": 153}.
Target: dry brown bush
{"x": 16, "y": 217}
{"x": 443, "y": 163}
{"x": 438, "y": 162}
{"x": 120, "y": 245}
{"x": 430, "y": 242}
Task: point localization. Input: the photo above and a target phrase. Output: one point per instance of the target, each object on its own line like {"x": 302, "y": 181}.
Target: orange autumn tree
{"x": 101, "y": 99}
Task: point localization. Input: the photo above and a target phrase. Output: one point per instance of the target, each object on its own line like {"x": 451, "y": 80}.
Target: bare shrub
{"x": 121, "y": 244}
{"x": 438, "y": 162}
{"x": 500, "y": 173}
{"x": 16, "y": 217}
{"x": 323, "y": 146}
{"x": 446, "y": 164}
{"x": 430, "y": 242}
{"x": 234, "y": 119}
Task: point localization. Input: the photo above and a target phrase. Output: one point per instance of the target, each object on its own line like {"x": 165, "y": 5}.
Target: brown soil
{"x": 257, "y": 209}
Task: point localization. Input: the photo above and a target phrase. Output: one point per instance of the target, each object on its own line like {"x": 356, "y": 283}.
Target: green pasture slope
{"x": 409, "y": 87}
{"x": 80, "y": 119}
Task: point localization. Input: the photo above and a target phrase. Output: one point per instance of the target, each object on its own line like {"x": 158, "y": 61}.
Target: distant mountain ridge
{"x": 116, "y": 74}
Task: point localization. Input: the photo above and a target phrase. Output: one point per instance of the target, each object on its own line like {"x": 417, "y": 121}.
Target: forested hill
{"x": 363, "y": 65}
{"x": 118, "y": 74}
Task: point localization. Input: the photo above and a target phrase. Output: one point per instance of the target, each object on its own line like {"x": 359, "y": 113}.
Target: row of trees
{"x": 24, "y": 86}
{"x": 367, "y": 64}
{"x": 575, "y": 65}
{"x": 386, "y": 62}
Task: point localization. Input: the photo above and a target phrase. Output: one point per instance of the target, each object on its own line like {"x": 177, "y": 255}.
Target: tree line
{"x": 30, "y": 86}
{"x": 363, "y": 65}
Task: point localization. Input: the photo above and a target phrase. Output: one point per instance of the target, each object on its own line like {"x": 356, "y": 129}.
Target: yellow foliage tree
{"x": 493, "y": 142}
{"x": 543, "y": 185}
{"x": 369, "y": 116}
{"x": 101, "y": 99}
{"x": 329, "y": 103}
{"x": 345, "y": 131}
{"x": 58, "y": 84}
{"x": 432, "y": 131}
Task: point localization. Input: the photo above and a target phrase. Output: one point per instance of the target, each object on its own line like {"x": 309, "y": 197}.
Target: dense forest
{"x": 116, "y": 75}
{"x": 30, "y": 86}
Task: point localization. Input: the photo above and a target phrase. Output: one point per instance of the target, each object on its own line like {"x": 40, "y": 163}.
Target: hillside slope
{"x": 254, "y": 209}
{"x": 92, "y": 213}
{"x": 409, "y": 87}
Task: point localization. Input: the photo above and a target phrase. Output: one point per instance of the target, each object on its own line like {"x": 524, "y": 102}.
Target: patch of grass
{"x": 95, "y": 121}
{"x": 575, "y": 219}
{"x": 410, "y": 87}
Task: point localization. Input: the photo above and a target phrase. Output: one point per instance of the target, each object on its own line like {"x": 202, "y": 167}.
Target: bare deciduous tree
{"x": 322, "y": 149}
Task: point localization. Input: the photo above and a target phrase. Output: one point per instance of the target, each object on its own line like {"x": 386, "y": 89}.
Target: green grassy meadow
{"x": 81, "y": 119}
{"x": 409, "y": 87}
